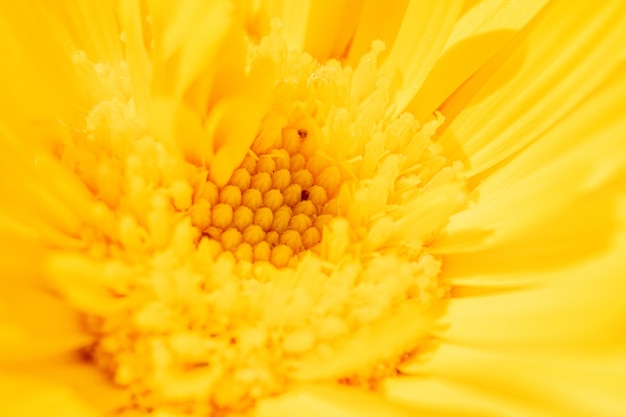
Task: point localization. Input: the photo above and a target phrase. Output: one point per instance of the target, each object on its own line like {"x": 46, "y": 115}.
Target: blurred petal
{"x": 332, "y": 401}
{"x": 517, "y": 385}
{"x": 579, "y": 308}
{"x": 63, "y": 385}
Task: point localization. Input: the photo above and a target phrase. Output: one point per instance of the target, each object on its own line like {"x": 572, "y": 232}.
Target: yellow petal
{"x": 371, "y": 27}
{"x": 423, "y": 33}
{"x": 133, "y": 22}
{"x": 38, "y": 46}
{"x": 33, "y": 403}
{"x": 185, "y": 49}
{"x": 42, "y": 191}
{"x": 476, "y": 37}
{"x": 578, "y": 307}
{"x": 64, "y": 386}
{"x": 335, "y": 401}
{"x": 331, "y": 25}
{"x": 293, "y": 18}
{"x": 578, "y": 163}
{"x": 436, "y": 396}
{"x": 234, "y": 122}
{"x": 541, "y": 75}
{"x": 34, "y": 323}
{"x": 492, "y": 383}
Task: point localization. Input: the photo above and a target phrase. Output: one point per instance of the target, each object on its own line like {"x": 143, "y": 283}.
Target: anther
{"x": 321, "y": 221}
{"x": 291, "y": 141}
{"x": 282, "y": 216}
{"x": 280, "y": 255}
{"x": 244, "y": 252}
{"x": 281, "y": 179}
{"x": 253, "y": 234}
{"x": 318, "y": 195}
{"x": 222, "y": 215}
{"x": 302, "y": 177}
{"x": 262, "y": 251}
{"x": 273, "y": 199}
{"x": 281, "y": 158}
{"x": 292, "y": 195}
{"x": 214, "y": 232}
{"x": 231, "y": 238}
{"x": 266, "y": 164}
{"x": 292, "y": 239}
{"x": 316, "y": 164}
{"x": 252, "y": 198}
{"x": 261, "y": 181}
{"x": 200, "y": 214}
{"x": 231, "y": 195}
{"x": 272, "y": 238}
{"x": 297, "y": 162}
{"x": 264, "y": 218}
{"x": 241, "y": 179}
{"x": 305, "y": 207}
{"x": 311, "y": 237}
{"x": 249, "y": 164}
{"x": 242, "y": 217}
{"x": 209, "y": 192}
{"x": 331, "y": 207}
{"x": 300, "y": 222}
{"x": 329, "y": 178}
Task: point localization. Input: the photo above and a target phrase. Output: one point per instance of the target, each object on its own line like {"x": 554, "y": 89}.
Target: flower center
{"x": 310, "y": 263}
{"x": 275, "y": 204}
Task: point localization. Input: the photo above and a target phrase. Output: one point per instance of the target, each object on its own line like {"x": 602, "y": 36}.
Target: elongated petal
{"x": 336, "y": 401}
{"x": 478, "y": 35}
{"x": 492, "y": 383}
{"x": 579, "y": 163}
{"x": 420, "y": 40}
{"x": 546, "y": 70}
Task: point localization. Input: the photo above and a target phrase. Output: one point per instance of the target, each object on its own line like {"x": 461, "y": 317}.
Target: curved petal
{"x": 423, "y": 33}
{"x": 578, "y": 163}
{"x": 480, "y": 32}
{"x": 557, "y": 60}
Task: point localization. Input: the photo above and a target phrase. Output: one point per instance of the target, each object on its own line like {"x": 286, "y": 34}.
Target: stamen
{"x": 284, "y": 273}
{"x": 269, "y": 208}
{"x": 261, "y": 181}
{"x": 222, "y": 215}
{"x": 264, "y": 218}
{"x": 242, "y": 217}
{"x": 281, "y": 255}
{"x": 231, "y": 195}
{"x": 273, "y": 199}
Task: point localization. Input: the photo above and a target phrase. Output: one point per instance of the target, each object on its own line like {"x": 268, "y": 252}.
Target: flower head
{"x": 266, "y": 208}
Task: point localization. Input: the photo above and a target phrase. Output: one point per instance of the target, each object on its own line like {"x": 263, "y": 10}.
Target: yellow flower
{"x": 352, "y": 208}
